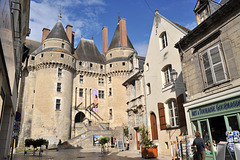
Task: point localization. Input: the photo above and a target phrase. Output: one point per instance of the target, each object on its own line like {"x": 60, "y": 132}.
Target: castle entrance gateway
{"x": 79, "y": 117}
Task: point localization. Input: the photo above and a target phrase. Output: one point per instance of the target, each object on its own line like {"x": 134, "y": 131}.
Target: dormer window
{"x": 203, "y": 14}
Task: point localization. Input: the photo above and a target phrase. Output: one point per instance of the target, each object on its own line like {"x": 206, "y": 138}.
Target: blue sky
{"x": 89, "y": 16}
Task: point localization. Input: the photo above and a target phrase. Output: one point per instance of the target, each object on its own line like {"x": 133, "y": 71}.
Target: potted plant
{"x": 148, "y": 149}
{"x": 102, "y": 142}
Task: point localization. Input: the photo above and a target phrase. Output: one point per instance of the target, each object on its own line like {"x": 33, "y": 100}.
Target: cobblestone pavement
{"x": 84, "y": 154}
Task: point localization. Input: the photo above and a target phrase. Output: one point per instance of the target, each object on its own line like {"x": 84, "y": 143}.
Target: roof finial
{"x": 59, "y": 16}
{"x": 92, "y": 37}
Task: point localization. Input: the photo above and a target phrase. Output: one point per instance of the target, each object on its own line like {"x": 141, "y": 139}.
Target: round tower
{"x": 54, "y": 70}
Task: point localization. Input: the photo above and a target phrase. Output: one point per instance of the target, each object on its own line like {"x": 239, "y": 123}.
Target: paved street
{"x": 87, "y": 154}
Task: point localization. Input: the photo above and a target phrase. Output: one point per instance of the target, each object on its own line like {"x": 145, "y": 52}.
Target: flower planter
{"x": 149, "y": 152}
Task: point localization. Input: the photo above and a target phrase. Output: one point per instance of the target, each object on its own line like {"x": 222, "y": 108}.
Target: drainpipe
{"x": 145, "y": 98}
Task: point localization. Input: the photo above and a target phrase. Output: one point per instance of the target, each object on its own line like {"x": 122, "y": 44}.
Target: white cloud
{"x": 141, "y": 48}
{"x": 191, "y": 25}
{"x": 44, "y": 14}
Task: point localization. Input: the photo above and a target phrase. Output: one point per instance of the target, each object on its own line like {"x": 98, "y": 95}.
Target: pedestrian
{"x": 59, "y": 144}
{"x": 115, "y": 142}
{"x": 199, "y": 143}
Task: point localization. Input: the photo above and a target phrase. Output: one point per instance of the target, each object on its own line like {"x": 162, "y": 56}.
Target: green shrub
{"x": 104, "y": 140}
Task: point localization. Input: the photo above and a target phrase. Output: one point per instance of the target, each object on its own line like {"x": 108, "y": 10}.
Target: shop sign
{"x": 224, "y": 106}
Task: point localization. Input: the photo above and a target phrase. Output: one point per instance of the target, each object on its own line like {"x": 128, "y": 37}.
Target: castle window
{"x": 80, "y": 92}
{"x": 59, "y": 72}
{"x": 62, "y": 55}
{"x": 100, "y": 81}
{"x": 123, "y": 63}
{"x": 110, "y": 92}
{"x": 163, "y": 40}
{"x": 80, "y": 63}
{"x": 58, "y": 104}
{"x": 110, "y": 113}
{"x": 59, "y": 87}
{"x": 147, "y": 66}
{"x": 173, "y": 113}
{"x": 101, "y": 66}
{"x": 41, "y": 55}
{"x": 100, "y": 94}
{"x": 91, "y": 65}
{"x": 148, "y": 88}
{"x": 81, "y": 79}
{"x": 62, "y": 45}
{"x": 110, "y": 65}
{"x": 109, "y": 79}
{"x": 110, "y": 54}
{"x": 33, "y": 58}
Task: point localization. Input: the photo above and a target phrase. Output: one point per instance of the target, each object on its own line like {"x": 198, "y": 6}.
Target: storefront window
{"x": 205, "y": 136}
{"x": 195, "y": 126}
{"x": 218, "y": 129}
{"x": 233, "y": 123}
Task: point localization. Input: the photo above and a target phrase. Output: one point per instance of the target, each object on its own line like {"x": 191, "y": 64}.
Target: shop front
{"x": 212, "y": 118}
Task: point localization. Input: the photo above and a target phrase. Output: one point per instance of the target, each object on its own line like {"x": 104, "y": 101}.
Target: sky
{"x": 89, "y": 16}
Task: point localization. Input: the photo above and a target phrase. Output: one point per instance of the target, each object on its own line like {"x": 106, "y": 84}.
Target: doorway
{"x": 154, "y": 126}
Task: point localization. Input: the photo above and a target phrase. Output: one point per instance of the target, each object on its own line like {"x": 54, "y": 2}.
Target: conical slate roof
{"x": 116, "y": 42}
{"x": 58, "y": 32}
{"x": 88, "y": 51}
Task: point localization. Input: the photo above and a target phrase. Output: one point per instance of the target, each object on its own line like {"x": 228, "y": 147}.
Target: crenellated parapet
{"x": 45, "y": 65}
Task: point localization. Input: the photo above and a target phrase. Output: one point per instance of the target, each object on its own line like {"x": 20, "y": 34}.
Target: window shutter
{"x": 217, "y": 64}
{"x": 162, "y": 118}
{"x": 181, "y": 113}
{"x": 207, "y": 68}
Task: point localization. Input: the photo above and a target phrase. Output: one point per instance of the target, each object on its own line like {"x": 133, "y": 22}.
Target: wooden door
{"x": 138, "y": 143}
{"x": 153, "y": 126}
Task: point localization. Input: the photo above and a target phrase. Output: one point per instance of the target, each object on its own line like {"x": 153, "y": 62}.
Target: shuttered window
{"x": 173, "y": 113}
{"x": 181, "y": 112}
{"x": 213, "y": 65}
{"x": 162, "y": 118}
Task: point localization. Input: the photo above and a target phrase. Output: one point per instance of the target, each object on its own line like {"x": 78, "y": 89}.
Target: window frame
{"x": 110, "y": 92}
{"x": 174, "y": 109}
{"x": 81, "y": 79}
{"x": 211, "y": 66}
{"x": 59, "y": 72}
{"x": 101, "y": 94}
{"x": 80, "y": 94}
{"x": 168, "y": 79}
{"x": 101, "y": 81}
{"x": 58, "y": 104}
{"x": 59, "y": 87}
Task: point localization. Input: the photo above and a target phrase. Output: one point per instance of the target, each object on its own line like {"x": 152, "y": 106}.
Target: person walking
{"x": 199, "y": 143}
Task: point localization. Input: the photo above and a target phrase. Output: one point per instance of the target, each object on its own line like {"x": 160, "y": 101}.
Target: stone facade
{"x": 60, "y": 84}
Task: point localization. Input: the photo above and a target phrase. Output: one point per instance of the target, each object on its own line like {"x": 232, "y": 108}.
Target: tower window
{"x": 80, "y": 92}
{"x": 41, "y": 55}
{"x": 101, "y": 66}
{"x": 110, "y": 113}
{"x": 59, "y": 72}
{"x": 80, "y": 63}
{"x": 91, "y": 65}
{"x": 81, "y": 79}
{"x": 100, "y": 81}
{"x": 62, "y": 45}
{"x": 110, "y": 92}
{"x": 110, "y": 54}
{"x": 148, "y": 88}
{"x": 33, "y": 58}
{"x": 62, "y": 55}
{"x": 109, "y": 79}
{"x": 58, "y": 104}
{"x": 110, "y": 65}
{"x": 59, "y": 86}
{"x": 123, "y": 63}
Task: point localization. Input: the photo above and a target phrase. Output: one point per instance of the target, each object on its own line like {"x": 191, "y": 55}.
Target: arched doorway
{"x": 79, "y": 117}
{"x": 153, "y": 126}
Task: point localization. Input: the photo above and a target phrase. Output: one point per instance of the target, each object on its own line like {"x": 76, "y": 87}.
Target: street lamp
{"x": 174, "y": 75}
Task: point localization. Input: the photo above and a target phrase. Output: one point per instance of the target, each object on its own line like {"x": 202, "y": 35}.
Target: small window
{"x": 58, "y": 104}
{"x": 147, "y": 66}
{"x": 62, "y": 45}
{"x": 91, "y": 65}
{"x": 59, "y": 87}
{"x": 110, "y": 92}
{"x": 43, "y": 46}
{"x": 148, "y": 88}
{"x": 80, "y": 92}
{"x": 110, "y": 113}
{"x": 62, "y": 55}
{"x": 110, "y": 65}
{"x": 123, "y": 63}
{"x": 59, "y": 72}
{"x": 109, "y": 79}
{"x": 100, "y": 94}
{"x": 163, "y": 40}
{"x": 41, "y": 55}
{"x": 100, "y": 81}
{"x": 167, "y": 75}
{"x": 101, "y": 66}
{"x": 81, "y": 79}
{"x": 33, "y": 58}
{"x": 111, "y": 55}
{"x": 80, "y": 63}
{"x": 173, "y": 113}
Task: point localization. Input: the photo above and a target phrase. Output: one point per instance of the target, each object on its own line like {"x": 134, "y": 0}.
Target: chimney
{"x": 73, "y": 35}
{"x": 104, "y": 39}
{"x": 45, "y": 32}
{"x": 69, "y": 32}
{"x": 123, "y": 32}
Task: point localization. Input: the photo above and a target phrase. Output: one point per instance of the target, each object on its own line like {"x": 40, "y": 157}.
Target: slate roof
{"x": 32, "y": 45}
{"x": 212, "y": 5}
{"x": 58, "y": 32}
{"x": 88, "y": 51}
{"x": 115, "y": 43}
